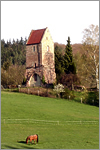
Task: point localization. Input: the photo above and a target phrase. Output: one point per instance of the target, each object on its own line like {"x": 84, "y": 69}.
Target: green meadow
{"x": 59, "y": 123}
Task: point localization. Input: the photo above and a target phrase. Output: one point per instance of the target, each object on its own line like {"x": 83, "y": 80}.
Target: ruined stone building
{"x": 40, "y": 58}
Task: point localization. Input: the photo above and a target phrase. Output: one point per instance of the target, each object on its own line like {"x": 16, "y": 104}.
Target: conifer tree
{"x": 59, "y": 63}
{"x": 68, "y": 57}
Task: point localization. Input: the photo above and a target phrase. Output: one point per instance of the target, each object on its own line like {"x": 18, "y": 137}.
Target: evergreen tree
{"x": 6, "y": 65}
{"x": 14, "y": 51}
{"x": 68, "y": 58}
{"x": 59, "y": 63}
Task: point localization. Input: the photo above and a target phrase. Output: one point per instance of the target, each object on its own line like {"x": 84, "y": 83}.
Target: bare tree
{"x": 89, "y": 61}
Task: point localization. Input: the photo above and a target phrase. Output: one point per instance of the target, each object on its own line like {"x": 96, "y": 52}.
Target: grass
{"x": 48, "y": 118}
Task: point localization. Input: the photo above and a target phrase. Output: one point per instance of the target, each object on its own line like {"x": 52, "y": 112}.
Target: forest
{"x": 76, "y": 64}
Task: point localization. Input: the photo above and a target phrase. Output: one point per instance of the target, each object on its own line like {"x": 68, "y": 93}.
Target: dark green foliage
{"x": 59, "y": 62}
{"x": 43, "y": 80}
{"x": 91, "y": 98}
{"x": 15, "y": 52}
{"x": 6, "y": 65}
{"x": 68, "y": 59}
{"x": 64, "y": 64}
{"x": 13, "y": 59}
{"x": 24, "y": 81}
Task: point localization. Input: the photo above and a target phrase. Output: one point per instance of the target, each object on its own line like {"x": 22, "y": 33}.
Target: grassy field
{"x": 60, "y": 124}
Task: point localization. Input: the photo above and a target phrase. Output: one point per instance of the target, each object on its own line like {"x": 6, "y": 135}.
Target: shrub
{"x": 13, "y": 76}
{"x": 68, "y": 94}
{"x": 84, "y": 96}
{"x": 58, "y": 89}
{"x": 43, "y": 80}
{"x": 24, "y": 81}
{"x": 91, "y": 98}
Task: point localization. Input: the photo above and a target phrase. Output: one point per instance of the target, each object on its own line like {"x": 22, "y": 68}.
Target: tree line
{"x": 13, "y": 52}
{"x": 65, "y": 67}
{"x": 82, "y": 68}
{"x": 13, "y": 61}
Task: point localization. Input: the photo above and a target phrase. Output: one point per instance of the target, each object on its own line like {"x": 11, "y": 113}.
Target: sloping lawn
{"x": 60, "y": 124}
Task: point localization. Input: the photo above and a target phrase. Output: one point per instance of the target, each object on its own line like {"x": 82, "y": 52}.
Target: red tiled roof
{"x": 35, "y": 36}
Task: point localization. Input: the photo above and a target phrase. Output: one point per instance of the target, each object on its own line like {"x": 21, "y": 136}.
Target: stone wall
{"x": 33, "y": 56}
{"x": 40, "y": 60}
{"x": 48, "y": 60}
{"x": 47, "y": 46}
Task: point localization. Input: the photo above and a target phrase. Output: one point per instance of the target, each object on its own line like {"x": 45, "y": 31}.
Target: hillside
{"x": 75, "y": 47}
{"x": 60, "y": 124}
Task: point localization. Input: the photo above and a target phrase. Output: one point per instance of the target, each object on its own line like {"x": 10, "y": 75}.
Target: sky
{"x": 63, "y": 19}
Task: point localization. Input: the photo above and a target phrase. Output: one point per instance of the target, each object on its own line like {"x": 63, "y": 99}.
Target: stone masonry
{"x": 40, "y": 58}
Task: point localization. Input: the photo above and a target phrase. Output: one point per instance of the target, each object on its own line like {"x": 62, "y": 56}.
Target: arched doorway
{"x": 35, "y": 80}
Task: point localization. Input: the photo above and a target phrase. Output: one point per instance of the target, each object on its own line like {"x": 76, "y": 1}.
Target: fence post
{"x": 38, "y": 92}
{"x": 81, "y": 100}
{"x": 93, "y": 101}
{"x": 28, "y": 90}
{"x": 19, "y": 86}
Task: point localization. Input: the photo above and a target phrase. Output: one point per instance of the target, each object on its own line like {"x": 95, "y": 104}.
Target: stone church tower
{"x": 40, "y": 58}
